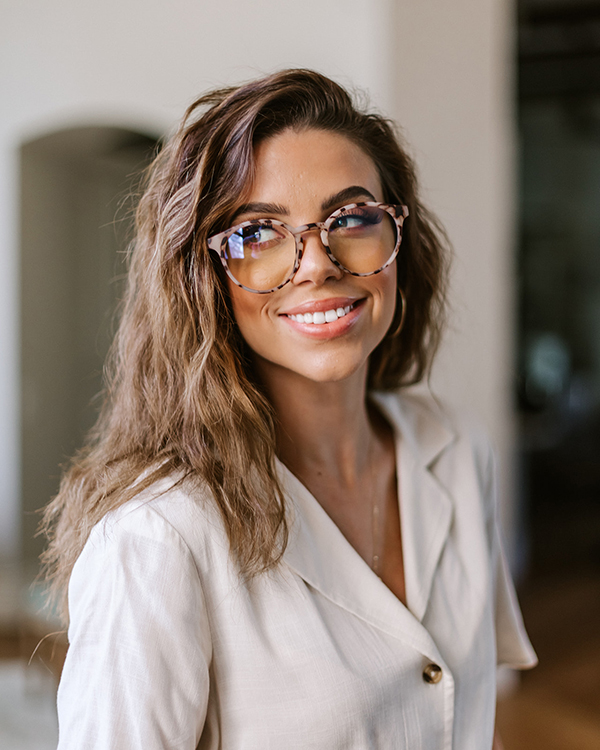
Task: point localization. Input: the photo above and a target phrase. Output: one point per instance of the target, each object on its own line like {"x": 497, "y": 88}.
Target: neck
{"x": 324, "y": 429}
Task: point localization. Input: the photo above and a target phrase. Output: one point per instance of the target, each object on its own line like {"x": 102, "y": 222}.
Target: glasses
{"x": 262, "y": 255}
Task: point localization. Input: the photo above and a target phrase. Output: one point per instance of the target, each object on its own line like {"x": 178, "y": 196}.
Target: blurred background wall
{"x": 84, "y": 88}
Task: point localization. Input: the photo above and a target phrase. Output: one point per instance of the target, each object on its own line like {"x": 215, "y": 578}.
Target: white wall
{"x": 454, "y": 98}
{"x": 439, "y": 67}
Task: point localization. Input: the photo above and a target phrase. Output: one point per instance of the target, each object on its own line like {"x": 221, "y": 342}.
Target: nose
{"x": 315, "y": 265}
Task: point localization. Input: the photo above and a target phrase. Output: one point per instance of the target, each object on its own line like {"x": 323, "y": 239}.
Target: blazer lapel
{"x": 319, "y": 553}
{"x": 425, "y": 506}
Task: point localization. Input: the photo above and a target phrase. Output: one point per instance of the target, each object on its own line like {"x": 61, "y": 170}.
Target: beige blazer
{"x": 171, "y": 649}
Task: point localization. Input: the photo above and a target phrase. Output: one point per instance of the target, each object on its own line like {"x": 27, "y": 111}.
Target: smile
{"x": 319, "y": 318}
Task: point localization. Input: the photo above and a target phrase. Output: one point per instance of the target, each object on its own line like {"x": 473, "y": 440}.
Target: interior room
{"x": 499, "y": 102}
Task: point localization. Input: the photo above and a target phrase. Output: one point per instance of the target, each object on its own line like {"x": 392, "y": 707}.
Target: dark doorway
{"x": 76, "y": 220}
{"x": 559, "y": 263}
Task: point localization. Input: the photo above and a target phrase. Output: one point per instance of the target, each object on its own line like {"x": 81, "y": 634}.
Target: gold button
{"x": 432, "y": 673}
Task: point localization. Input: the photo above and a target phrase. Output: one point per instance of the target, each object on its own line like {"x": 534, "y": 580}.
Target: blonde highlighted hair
{"x": 180, "y": 393}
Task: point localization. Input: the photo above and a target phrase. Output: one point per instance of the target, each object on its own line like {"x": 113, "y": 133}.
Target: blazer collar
{"x": 320, "y": 554}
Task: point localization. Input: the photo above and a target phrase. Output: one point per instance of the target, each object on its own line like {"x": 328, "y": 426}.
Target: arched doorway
{"x": 76, "y": 218}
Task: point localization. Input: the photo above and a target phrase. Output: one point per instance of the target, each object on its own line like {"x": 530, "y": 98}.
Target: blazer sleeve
{"x": 513, "y": 646}
{"x": 136, "y": 673}
{"x": 512, "y": 643}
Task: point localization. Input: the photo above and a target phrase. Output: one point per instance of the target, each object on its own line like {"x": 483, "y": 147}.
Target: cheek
{"x": 242, "y": 309}
{"x": 248, "y": 311}
{"x": 389, "y": 294}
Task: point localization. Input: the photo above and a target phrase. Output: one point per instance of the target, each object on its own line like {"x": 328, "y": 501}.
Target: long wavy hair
{"x": 180, "y": 394}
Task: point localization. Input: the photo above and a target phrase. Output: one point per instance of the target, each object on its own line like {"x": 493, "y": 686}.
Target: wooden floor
{"x": 557, "y": 705}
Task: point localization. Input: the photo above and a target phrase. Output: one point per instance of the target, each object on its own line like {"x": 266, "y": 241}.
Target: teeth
{"x": 318, "y": 318}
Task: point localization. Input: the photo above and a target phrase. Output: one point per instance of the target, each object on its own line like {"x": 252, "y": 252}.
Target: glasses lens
{"x": 363, "y": 238}
{"x": 260, "y": 255}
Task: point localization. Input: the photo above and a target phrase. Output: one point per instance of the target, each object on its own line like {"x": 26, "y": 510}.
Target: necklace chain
{"x": 377, "y": 526}
{"x": 375, "y": 563}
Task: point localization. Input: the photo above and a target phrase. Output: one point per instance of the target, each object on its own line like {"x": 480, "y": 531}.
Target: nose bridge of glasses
{"x": 299, "y": 232}
{"x": 319, "y": 258}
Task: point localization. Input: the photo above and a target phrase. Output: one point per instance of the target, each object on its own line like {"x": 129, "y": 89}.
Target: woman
{"x": 269, "y": 542}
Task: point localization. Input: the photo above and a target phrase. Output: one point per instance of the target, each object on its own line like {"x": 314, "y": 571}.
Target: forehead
{"x": 301, "y": 166}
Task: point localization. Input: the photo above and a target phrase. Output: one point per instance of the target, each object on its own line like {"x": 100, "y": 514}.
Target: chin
{"x": 324, "y": 369}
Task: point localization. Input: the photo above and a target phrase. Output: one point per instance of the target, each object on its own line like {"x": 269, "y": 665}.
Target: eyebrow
{"x": 269, "y": 209}
{"x": 347, "y": 194}
{"x": 276, "y": 209}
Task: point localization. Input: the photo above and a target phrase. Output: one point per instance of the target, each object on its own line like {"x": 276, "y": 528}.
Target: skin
{"x": 329, "y": 435}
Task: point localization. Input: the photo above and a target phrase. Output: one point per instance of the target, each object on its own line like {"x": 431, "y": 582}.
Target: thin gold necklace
{"x": 377, "y": 527}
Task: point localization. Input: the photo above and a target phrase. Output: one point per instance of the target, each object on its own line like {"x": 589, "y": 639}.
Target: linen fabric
{"x": 170, "y": 649}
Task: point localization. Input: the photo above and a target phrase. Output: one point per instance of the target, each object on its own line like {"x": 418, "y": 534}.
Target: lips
{"x": 324, "y": 319}
{"x": 320, "y": 305}
{"x": 319, "y": 317}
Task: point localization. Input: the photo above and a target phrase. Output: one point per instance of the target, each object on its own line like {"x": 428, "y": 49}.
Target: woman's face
{"x": 304, "y": 176}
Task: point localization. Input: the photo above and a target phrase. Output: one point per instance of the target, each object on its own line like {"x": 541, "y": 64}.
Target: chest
{"x": 314, "y": 670}
{"x": 369, "y": 518}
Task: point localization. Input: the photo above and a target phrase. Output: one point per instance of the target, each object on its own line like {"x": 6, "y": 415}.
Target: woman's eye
{"x": 357, "y": 220}
{"x": 349, "y": 221}
{"x": 258, "y": 234}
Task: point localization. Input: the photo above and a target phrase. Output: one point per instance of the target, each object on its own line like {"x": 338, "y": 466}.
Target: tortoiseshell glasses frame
{"x": 219, "y": 243}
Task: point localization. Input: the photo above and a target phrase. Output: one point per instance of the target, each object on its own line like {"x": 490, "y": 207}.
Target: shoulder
{"x": 432, "y": 427}
{"x": 447, "y": 443}
{"x": 175, "y": 517}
